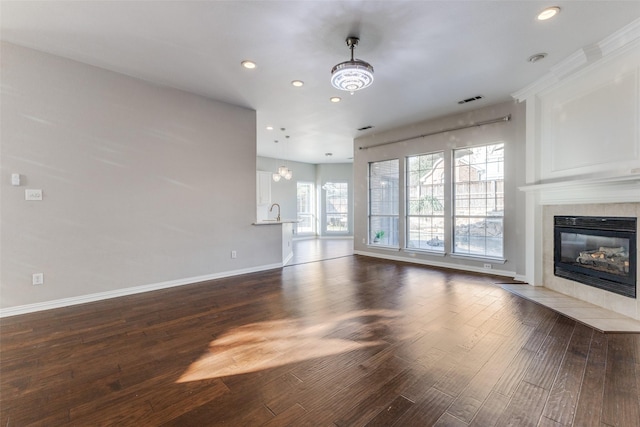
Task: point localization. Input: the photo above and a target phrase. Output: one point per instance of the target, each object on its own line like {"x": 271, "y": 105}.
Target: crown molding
{"x": 588, "y": 55}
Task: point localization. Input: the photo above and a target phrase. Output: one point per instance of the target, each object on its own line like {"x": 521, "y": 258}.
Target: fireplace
{"x": 597, "y": 251}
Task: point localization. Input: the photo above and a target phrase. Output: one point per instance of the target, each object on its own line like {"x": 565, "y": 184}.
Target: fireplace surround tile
{"x": 584, "y": 312}
{"x": 620, "y": 304}
{"x": 588, "y": 293}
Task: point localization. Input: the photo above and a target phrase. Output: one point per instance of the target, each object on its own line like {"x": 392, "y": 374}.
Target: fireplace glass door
{"x": 600, "y": 252}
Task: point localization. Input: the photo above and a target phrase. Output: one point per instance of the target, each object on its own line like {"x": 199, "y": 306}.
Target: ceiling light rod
{"x": 352, "y": 42}
{"x": 471, "y": 125}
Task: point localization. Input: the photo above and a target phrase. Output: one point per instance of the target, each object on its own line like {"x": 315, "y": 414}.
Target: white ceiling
{"x": 427, "y": 55}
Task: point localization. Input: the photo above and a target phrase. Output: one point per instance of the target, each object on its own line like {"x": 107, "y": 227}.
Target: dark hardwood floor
{"x": 350, "y": 341}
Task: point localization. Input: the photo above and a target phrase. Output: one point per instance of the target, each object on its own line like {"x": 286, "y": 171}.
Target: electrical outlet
{"x": 487, "y": 266}
{"x": 37, "y": 279}
{"x": 234, "y": 254}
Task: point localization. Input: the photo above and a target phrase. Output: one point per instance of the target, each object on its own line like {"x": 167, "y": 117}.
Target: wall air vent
{"x": 366, "y": 127}
{"x": 473, "y": 98}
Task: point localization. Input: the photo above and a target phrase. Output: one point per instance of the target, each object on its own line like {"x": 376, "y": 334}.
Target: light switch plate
{"x": 15, "y": 179}
{"x": 31, "y": 194}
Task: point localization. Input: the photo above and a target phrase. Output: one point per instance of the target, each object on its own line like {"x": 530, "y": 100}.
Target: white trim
{"x": 478, "y": 258}
{"x": 439, "y": 264}
{"x": 621, "y": 37}
{"x": 304, "y": 237}
{"x": 65, "y": 302}
{"x": 624, "y": 37}
{"x": 424, "y": 252}
{"x": 336, "y": 237}
{"x": 620, "y": 189}
{"x": 287, "y": 259}
{"x": 521, "y": 278}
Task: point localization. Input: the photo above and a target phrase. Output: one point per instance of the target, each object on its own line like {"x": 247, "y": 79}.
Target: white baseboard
{"x": 82, "y": 299}
{"x": 289, "y": 258}
{"x": 439, "y": 264}
{"x": 520, "y": 277}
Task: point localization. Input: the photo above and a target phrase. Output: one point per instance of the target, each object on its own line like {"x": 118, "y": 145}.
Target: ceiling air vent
{"x": 473, "y": 98}
{"x": 366, "y": 127}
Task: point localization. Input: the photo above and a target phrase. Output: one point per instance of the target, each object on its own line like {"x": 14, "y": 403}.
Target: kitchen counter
{"x": 286, "y": 226}
{"x": 274, "y": 222}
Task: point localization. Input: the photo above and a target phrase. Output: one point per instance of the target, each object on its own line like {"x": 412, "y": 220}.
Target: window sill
{"x": 479, "y": 258}
{"x": 424, "y": 252}
{"x": 386, "y": 248}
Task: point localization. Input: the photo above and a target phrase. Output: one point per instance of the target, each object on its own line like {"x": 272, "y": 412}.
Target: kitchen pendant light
{"x": 354, "y": 74}
{"x": 283, "y": 171}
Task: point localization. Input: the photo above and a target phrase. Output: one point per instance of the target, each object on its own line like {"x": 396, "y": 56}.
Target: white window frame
{"x": 337, "y": 219}
{"x": 384, "y": 206}
{"x": 425, "y": 202}
{"x": 311, "y": 214}
{"x": 478, "y": 214}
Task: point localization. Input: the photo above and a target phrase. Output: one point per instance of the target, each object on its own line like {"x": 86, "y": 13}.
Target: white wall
{"x": 512, "y": 133}
{"x": 143, "y": 185}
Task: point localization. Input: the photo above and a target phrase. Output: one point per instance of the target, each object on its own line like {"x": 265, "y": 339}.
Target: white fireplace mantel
{"x": 616, "y": 189}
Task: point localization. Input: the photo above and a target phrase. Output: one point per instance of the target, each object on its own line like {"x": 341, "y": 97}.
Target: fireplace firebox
{"x": 597, "y": 251}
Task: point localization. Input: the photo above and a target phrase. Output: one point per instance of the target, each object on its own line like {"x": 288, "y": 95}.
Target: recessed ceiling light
{"x": 269, "y": 127}
{"x": 297, "y": 83}
{"x": 335, "y": 99}
{"x": 537, "y": 57}
{"x": 548, "y": 13}
{"x": 328, "y": 154}
{"x": 248, "y": 64}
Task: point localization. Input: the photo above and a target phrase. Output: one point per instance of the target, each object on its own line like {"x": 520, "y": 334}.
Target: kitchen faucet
{"x": 271, "y": 209}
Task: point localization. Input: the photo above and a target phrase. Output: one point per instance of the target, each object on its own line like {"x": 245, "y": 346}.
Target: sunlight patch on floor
{"x": 264, "y": 345}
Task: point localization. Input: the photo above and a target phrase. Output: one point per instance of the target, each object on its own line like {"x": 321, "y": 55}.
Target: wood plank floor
{"x": 351, "y": 341}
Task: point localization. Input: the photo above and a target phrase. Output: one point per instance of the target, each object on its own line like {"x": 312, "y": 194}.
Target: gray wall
{"x": 142, "y": 184}
{"x": 512, "y": 133}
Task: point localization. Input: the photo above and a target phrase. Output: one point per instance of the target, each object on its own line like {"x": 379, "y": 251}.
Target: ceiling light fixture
{"x": 283, "y": 171}
{"x": 548, "y": 13}
{"x": 297, "y": 83}
{"x": 537, "y": 57}
{"x": 335, "y": 99}
{"x": 354, "y": 74}
{"x": 248, "y": 64}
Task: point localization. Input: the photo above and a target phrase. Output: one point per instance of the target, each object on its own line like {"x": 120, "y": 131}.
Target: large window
{"x": 478, "y": 194}
{"x": 306, "y": 217}
{"x": 336, "y": 206}
{"x": 425, "y": 202}
{"x": 384, "y": 202}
